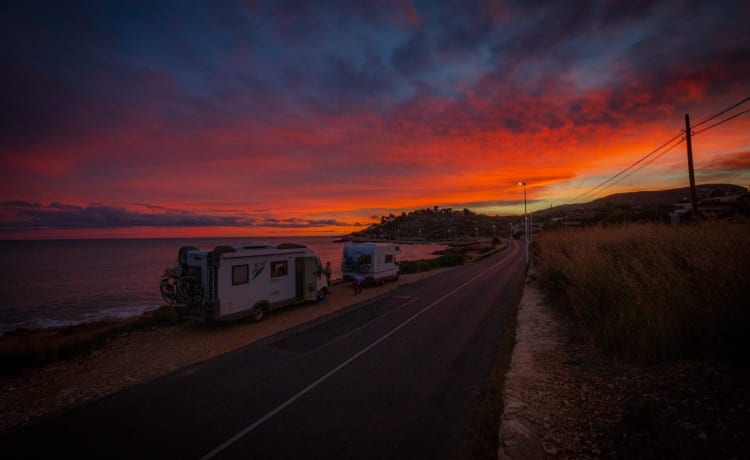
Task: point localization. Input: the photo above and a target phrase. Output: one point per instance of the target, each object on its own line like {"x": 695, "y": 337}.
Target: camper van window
{"x": 389, "y": 258}
{"x": 240, "y": 274}
{"x": 278, "y": 269}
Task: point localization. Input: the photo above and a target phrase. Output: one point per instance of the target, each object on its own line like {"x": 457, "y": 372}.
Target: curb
{"x": 538, "y": 336}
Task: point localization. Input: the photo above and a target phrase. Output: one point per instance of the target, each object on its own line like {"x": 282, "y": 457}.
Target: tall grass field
{"x": 653, "y": 292}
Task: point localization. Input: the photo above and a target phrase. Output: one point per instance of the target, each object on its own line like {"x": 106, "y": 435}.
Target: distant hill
{"x": 446, "y": 224}
{"x": 647, "y": 202}
{"x": 654, "y": 198}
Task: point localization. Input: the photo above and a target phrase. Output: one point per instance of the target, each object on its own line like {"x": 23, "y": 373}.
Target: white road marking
{"x": 322, "y": 379}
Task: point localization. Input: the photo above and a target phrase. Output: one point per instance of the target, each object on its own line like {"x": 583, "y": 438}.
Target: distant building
{"x": 681, "y": 212}
{"x": 719, "y": 207}
{"x": 714, "y": 208}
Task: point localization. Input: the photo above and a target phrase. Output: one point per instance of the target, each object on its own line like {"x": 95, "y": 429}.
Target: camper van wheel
{"x": 257, "y": 313}
{"x": 322, "y": 294}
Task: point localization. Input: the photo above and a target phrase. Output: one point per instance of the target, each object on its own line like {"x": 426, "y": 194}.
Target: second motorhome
{"x": 374, "y": 262}
{"x": 245, "y": 280}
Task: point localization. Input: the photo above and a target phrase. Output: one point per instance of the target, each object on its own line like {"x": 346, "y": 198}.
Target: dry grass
{"x": 653, "y": 292}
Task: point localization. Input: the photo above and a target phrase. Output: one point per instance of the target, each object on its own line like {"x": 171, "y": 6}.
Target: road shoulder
{"x": 534, "y": 371}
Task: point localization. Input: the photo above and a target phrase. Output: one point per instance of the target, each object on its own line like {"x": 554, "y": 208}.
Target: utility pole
{"x": 691, "y": 172}
{"x": 525, "y": 223}
{"x": 531, "y": 227}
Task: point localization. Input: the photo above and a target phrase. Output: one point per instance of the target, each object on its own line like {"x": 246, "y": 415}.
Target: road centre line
{"x": 333, "y": 371}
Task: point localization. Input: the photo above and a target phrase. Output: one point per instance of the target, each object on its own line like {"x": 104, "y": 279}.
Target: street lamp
{"x": 525, "y": 222}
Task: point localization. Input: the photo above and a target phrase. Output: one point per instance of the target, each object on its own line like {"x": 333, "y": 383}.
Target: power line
{"x": 721, "y": 112}
{"x": 721, "y": 122}
{"x": 643, "y": 158}
{"x": 649, "y": 162}
{"x": 627, "y": 172}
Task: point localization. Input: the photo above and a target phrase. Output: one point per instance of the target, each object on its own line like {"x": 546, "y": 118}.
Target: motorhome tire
{"x": 167, "y": 292}
{"x": 257, "y": 313}
{"x": 322, "y": 294}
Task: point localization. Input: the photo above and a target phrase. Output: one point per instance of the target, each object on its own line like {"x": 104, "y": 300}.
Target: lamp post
{"x": 525, "y": 222}
{"x": 531, "y": 228}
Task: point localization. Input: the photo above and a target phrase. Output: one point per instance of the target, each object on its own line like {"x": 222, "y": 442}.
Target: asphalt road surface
{"x": 393, "y": 377}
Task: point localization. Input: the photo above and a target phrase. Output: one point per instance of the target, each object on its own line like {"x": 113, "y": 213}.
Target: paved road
{"x": 393, "y": 377}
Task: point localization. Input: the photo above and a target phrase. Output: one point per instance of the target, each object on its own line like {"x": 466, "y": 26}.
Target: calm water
{"x": 65, "y": 282}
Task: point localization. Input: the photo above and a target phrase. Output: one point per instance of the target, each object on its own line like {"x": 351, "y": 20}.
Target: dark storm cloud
{"x": 616, "y": 12}
{"x": 366, "y": 80}
{"x": 462, "y": 28}
{"x": 19, "y": 204}
{"x": 414, "y": 55}
{"x": 36, "y": 107}
{"x": 730, "y": 161}
{"x": 24, "y": 215}
{"x": 65, "y": 216}
{"x": 301, "y": 223}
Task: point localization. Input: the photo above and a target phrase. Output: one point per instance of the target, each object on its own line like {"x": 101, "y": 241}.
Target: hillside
{"x": 435, "y": 224}
{"x": 649, "y": 198}
{"x": 446, "y": 224}
{"x": 640, "y": 206}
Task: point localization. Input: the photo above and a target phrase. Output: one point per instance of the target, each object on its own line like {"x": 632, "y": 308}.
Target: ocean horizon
{"x": 63, "y": 282}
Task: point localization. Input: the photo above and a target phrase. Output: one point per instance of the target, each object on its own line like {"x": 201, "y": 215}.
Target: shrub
{"x": 424, "y": 265}
{"x": 651, "y": 291}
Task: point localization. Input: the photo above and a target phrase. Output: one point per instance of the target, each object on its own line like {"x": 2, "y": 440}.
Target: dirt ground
{"x": 563, "y": 401}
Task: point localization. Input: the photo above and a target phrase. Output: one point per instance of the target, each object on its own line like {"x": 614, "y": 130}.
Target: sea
{"x": 56, "y": 283}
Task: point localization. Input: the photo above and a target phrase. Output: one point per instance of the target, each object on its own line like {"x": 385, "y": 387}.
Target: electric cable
{"x": 721, "y": 112}
{"x": 627, "y": 172}
{"x": 721, "y": 122}
{"x": 649, "y": 162}
{"x": 643, "y": 158}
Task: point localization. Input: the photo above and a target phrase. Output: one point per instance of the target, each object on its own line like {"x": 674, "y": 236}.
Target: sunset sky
{"x": 312, "y": 118}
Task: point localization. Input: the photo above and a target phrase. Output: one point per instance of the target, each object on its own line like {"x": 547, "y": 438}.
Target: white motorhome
{"x": 245, "y": 280}
{"x": 374, "y": 262}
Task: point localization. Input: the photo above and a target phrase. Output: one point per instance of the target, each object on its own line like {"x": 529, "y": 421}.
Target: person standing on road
{"x": 327, "y": 272}
{"x": 358, "y": 280}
